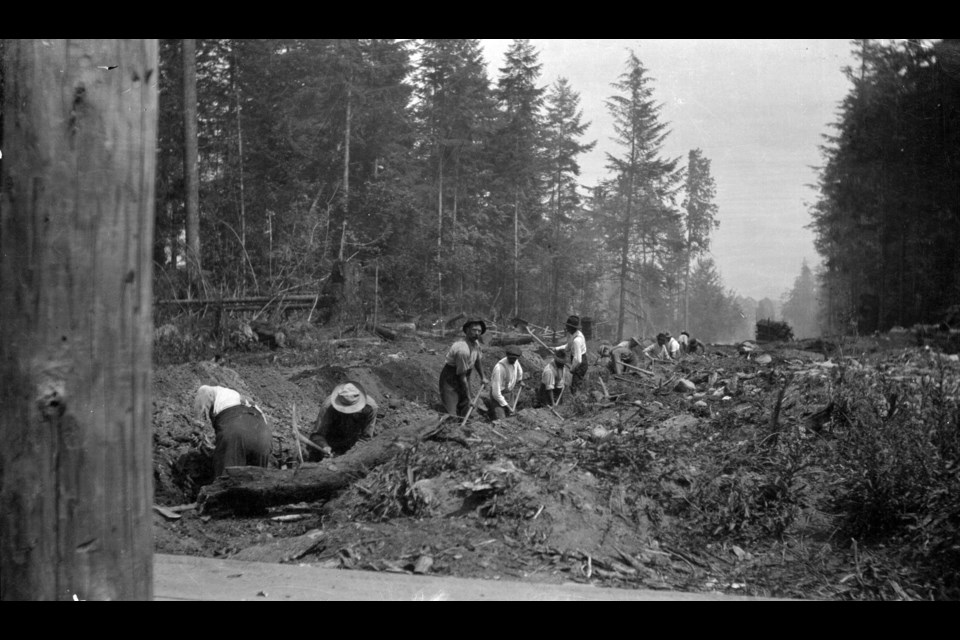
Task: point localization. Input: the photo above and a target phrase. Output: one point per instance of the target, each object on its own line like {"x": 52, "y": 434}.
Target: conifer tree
{"x": 645, "y": 183}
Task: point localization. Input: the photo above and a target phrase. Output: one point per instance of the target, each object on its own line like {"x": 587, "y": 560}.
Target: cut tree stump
{"x": 251, "y": 490}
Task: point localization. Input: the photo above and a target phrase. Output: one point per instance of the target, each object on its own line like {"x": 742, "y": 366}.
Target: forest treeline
{"x": 399, "y": 169}
{"x": 887, "y": 216}
{"x": 446, "y": 190}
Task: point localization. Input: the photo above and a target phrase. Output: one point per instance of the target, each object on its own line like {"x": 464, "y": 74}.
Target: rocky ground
{"x": 712, "y": 484}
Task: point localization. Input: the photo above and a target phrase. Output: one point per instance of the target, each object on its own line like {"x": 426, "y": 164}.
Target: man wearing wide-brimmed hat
{"x": 347, "y": 416}
{"x": 552, "y": 381}
{"x": 576, "y": 351}
{"x": 505, "y": 376}
{"x": 462, "y": 359}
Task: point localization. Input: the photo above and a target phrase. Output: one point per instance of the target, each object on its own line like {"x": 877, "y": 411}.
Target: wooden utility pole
{"x": 76, "y": 235}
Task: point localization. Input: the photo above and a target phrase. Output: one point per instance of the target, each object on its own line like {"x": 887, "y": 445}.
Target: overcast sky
{"x": 757, "y": 109}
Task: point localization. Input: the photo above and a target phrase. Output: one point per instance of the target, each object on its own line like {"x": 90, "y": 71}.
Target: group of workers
{"x": 349, "y": 415}
{"x": 665, "y": 347}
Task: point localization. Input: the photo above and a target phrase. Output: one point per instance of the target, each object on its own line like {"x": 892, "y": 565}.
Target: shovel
{"x": 473, "y": 404}
{"x": 516, "y": 398}
{"x": 520, "y": 322}
{"x": 553, "y": 407}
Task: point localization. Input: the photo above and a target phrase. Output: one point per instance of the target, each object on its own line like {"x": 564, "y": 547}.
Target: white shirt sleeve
{"x": 495, "y": 382}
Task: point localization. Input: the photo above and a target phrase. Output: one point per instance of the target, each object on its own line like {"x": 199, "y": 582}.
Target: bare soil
{"x": 605, "y": 494}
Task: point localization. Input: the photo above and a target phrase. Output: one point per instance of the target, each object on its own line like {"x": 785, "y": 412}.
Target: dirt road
{"x": 190, "y": 578}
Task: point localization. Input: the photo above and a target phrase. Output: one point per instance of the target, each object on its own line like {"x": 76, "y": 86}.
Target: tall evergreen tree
{"x": 644, "y": 182}
{"x": 714, "y": 313}
{"x": 517, "y": 155}
{"x": 801, "y": 305}
{"x": 455, "y": 110}
{"x": 564, "y": 127}
{"x": 701, "y": 216}
{"x": 886, "y": 220}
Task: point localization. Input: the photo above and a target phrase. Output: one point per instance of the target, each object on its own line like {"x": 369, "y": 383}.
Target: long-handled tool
{"x": 310, "y": 443}
{"x": 513, "y": 407}
{"x": 296, "y": 431}
{"x": 635, "y": 368}
{"x": 520, "y": 322}
{"x": 553, "y": 407}
{"x": 473, "y": 404}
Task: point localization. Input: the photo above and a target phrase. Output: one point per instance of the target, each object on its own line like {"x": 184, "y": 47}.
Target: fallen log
{"x": 505, "y": 339}
{"x": 251, "y": 490}
{"x": 394, "y": 331}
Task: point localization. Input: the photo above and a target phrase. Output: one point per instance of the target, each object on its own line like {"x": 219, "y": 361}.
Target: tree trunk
{"x": 76, "y": 329}
{"x": 243, "y": 210}
{"x": 250, "y": 490}
{"x": 189, "y": 52}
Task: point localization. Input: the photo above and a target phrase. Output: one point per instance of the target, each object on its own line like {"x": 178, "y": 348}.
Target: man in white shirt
{"x": 690, "y": 345}
{"x": 242, "y": 437}
{"x": 507, "y": 373}
{"x": 665, "y": 348}
{"x": 672, "y": 346}
{"x": 575, "y": 351}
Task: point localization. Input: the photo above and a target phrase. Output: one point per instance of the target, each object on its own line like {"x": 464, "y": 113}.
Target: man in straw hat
{"x": 347, "y": 416}
{"x": 504, "y": 377}
{"x": 461, "y": 360}
{"x": 242, "y": 437}
{"x": 575, "y": 351}
{"x": 552, "y": 381}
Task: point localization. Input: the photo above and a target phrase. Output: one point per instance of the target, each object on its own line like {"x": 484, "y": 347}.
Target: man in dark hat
{"x": 505, "y": 376}
{"x": 347, "y": 416}
{"x": 461, "y": 359}
{"x": 552, "y": 381}
{"x": 242, "y": 437}
{"x": 575, "y": 351}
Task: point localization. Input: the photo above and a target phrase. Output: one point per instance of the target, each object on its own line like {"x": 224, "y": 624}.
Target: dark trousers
{"x": 579, "y": 373}
{"x": 242, "y": 439}
{"x": 494, "y": 410}
{"x": 548, "y": 397}
{"x": 454, "y": 396}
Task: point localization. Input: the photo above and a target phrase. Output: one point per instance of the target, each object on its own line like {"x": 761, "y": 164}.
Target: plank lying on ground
{"x": 250, "y": 490}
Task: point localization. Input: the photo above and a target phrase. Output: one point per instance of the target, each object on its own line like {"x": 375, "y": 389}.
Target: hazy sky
{"x": 757, "y": 109}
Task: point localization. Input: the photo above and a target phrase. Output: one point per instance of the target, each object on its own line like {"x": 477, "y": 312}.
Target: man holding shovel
{"x": 462, "y": 358}
{"x": 505, "y": 376}
{"x": 552, "y": 381}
